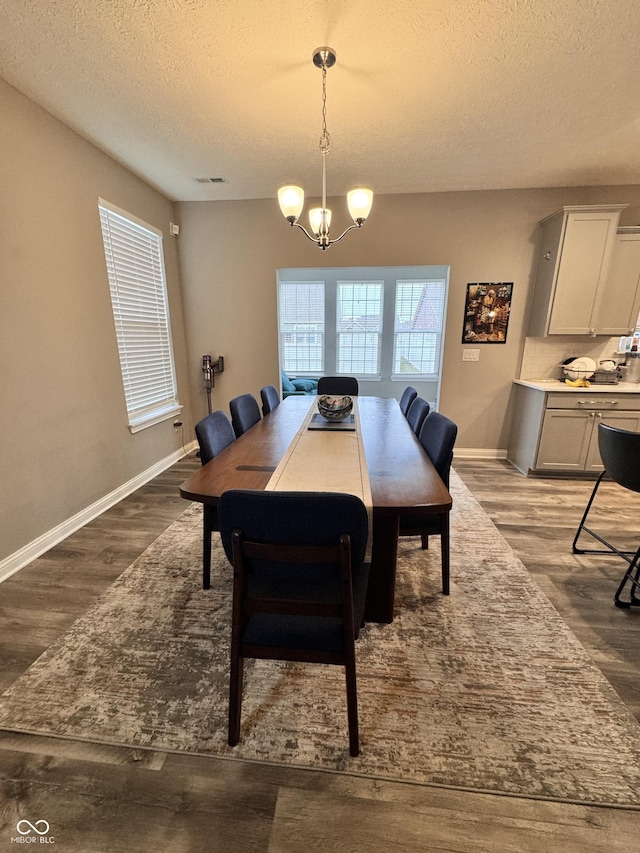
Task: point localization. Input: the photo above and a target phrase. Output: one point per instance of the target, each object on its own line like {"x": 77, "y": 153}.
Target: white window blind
{"x": 359, "y": 327}
{"x": 135, "y": 266}
{"x": 418, "y": 329}
{"x": 301, "y": 312}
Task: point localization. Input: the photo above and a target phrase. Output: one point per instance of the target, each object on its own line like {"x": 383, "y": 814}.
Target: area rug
{"x": 484, "y": 690}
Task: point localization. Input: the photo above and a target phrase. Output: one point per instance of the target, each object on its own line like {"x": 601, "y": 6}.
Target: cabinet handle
{"x": 547, "y": 256}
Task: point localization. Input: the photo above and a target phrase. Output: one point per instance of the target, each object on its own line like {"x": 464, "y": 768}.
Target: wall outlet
{"x": 471, "y": 355}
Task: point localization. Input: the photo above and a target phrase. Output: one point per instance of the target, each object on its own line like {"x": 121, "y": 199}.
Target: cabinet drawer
{"x": 590, "y": 399}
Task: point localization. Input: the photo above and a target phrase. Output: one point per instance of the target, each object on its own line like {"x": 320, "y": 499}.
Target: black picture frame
{"x": 487, "y": 309}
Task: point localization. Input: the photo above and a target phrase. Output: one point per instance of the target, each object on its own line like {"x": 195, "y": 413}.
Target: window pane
{"x": 301, "y": 314}
{"x": 135, "y": 268}
{"x": 359, "y": 322}
{"x": 418, "y": 327}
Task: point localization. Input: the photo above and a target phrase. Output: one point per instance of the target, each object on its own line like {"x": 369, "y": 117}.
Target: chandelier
{"x": 291, "y": 198}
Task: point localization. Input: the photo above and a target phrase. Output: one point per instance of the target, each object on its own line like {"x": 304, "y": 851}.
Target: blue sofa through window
{"x": 297, "y": 386}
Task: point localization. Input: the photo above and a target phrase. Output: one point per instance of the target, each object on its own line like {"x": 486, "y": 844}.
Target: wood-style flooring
{"x": 99, "y": 798}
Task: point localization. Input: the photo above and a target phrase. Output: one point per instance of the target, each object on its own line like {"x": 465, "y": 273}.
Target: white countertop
{"x": 557, "y": 385}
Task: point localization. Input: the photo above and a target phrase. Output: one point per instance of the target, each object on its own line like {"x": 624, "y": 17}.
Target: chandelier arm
{"x": 346, "y": 231}
{"x": 306, "y": 233}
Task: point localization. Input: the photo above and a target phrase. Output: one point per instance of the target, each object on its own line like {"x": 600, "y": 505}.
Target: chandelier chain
{"x": 325, "y": 139}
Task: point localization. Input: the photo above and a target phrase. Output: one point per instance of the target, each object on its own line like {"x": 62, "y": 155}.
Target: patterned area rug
{"x": 487, "y": 689}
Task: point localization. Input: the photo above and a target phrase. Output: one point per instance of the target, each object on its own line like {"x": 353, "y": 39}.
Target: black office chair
{"x": 214, "y": 433}
{"x": 417, "y": 413}
{"x": 244, "y": 413}
{"x": 620, "y": 453}
{"x": 437, "y": 437}
{"x": 338, "y": 385}
{"x": 408, "y": 396}
{"x": 270, "y": 398}
{"x": 299, "y": 584}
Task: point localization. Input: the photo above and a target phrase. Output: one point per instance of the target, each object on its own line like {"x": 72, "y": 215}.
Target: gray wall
{"x": 230, "y": 252}
{"x": 65, "y": 440}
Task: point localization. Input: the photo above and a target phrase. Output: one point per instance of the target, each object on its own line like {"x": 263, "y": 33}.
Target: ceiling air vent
{"x": 210, "y": 180}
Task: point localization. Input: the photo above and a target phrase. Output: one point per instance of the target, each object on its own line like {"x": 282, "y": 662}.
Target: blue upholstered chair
{"x": 417, "y": 413}
{"x": 408, "y": 396}
{"x": 437, "y": 437}
{"x": 244, "y": 413}
{"x": 338, "y": 385}
{"x": 300, "y": 584}
{"x": 270, "y": 398}
{"x": 214, "y": 433}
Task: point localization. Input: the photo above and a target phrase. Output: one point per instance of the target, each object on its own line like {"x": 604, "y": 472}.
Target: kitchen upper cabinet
{"x": 572, "y": 276}
{"x": 620, "y": 307}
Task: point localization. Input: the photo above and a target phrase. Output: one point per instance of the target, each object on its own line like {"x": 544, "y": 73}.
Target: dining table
{"x": 403, "y": 482}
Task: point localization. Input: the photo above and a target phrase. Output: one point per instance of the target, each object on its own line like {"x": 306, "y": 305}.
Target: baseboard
{"x": 479, "y": 453}
{"x": 25, "y": 555}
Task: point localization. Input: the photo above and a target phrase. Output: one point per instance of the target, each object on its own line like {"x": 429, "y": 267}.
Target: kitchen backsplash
{"x": 542, "y": 356}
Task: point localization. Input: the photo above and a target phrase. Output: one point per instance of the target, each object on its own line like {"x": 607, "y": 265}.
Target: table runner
{"x": 326, "y": 461}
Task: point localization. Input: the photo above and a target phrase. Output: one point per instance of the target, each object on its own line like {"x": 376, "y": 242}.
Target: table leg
{"x": 382, "y": 577}
{"x": 444, "y": 547}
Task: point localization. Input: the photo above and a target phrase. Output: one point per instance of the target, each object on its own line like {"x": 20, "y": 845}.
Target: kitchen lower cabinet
{"x": 557, "y": 433}
{"x": 569, "y": 438}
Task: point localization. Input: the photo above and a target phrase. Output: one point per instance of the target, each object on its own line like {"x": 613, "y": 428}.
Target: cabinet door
{"x": 582, "y": 273}
{"x": 619, "y": 306}
{"x": 623, "y": 420}
{"x": 564, "y": 441}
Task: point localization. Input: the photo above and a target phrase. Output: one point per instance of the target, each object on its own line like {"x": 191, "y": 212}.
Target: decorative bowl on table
{"x": 334, "y": 408}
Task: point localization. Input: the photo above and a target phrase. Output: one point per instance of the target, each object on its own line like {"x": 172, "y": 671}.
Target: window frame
{"x": 134, "y": 258}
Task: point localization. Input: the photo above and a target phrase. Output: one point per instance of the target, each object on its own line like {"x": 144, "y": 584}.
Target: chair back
{"x": 295, "y": 518}
{"x": 417, "y": 413}
{"x": 245, "y": 412}
{"x": 338, "y": 385}
{"x": 270, "y": 398}
{"x": 620, "y": 452}
{"x": 214, "y": 433}
{"x": 437, "y": 437}
{"x": 408, "y": 396}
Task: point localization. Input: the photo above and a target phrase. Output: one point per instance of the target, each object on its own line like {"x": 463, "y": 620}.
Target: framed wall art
{"x": 486, "y": 312}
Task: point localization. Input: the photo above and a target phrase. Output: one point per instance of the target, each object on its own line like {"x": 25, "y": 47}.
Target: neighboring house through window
{"x": 135, "y": 267}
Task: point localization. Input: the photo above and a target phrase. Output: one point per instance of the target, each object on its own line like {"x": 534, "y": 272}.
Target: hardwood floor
{"x": 99, "y": 798}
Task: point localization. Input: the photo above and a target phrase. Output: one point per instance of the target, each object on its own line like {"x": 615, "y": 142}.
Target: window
{"x": 418, "y": 327}
{"x": 383, "y": 325}
{"x": 135, "y": 267}
{"x": 301, "y": 309}
{"x": 359, "y": 327}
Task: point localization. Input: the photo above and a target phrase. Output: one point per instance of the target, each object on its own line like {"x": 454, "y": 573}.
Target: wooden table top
{"x": 400, "y": 472}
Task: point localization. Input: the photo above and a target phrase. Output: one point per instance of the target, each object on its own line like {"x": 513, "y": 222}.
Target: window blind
{"x": 359, "y": 327}
{"x": 301, "y": 313}
{"x": 419, "y": 319}
{"x": 135, "y": 267}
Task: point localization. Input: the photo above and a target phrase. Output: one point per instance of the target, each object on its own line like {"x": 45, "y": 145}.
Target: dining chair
{"x": 270, "y": 398}
{"x": 214, "y": 432}
{"x": 244, "y": 413}
{"x": 437, "y": 438}
{"x": 299, "y": 584}
{"x": 408, "y": 396}
{"x": 338, "y": 385}
{"x": 620, "y": 453}
{"x": 418, "y": 411}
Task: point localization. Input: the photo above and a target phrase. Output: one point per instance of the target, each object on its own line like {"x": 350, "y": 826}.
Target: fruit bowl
{"x": 334, "y": 408}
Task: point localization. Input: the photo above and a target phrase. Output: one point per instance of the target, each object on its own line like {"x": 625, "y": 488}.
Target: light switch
{"x": 471, "y": 355}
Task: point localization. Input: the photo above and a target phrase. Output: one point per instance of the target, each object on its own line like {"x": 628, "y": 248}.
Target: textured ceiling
{"x": 426, "y": 95}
